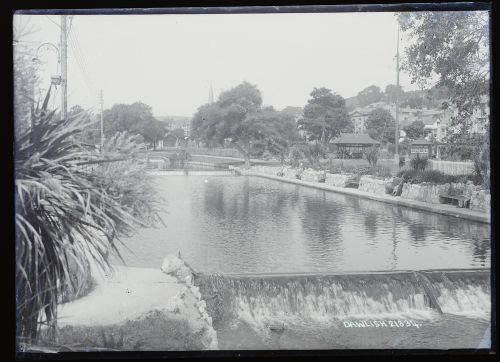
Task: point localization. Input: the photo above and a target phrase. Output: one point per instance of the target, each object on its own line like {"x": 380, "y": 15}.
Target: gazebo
{"x": 421, "y": 147}
{"x": 352, "y": 145}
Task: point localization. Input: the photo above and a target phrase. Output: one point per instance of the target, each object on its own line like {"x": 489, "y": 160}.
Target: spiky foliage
{"x": 65, "y": 215}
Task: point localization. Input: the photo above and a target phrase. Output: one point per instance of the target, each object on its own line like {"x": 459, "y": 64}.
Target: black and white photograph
{"x": 272, "y": 180}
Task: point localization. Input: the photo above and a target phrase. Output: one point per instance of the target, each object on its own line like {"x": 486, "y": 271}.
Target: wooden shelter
{"x": 352, "y": 145}
{"x": 421, "y": 147}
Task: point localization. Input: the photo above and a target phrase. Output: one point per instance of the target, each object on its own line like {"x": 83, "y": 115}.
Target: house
{"x": 358, "y": 118}
{"x": 352, "y": 145}
{"x": 437, "y": 130}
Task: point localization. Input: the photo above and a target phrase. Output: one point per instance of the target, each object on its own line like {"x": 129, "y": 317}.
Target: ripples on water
{"x": 229, "y": 224}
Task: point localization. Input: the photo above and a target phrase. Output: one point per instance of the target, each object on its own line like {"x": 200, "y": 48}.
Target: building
{"x": 358, "y": 118}
{"x": 352, "y": 145}
{"x": 175, "y": 122}
{"x": 421, "y": 147}
{"x": 437, "y": 130}
{"x": 360, "y": 115}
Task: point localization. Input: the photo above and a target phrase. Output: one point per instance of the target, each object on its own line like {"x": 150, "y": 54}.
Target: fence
{"x": 221, "y": 152}
{"x": 452, "y": 167}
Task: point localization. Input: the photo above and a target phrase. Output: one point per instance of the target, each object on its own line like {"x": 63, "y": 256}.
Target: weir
{"x": 266, "y": 299}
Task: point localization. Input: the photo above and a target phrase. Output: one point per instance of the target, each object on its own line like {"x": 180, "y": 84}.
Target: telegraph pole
{"x": 101, "y": 99}
{"x": 396, "y": 140}
{"x": 64, "y": 67}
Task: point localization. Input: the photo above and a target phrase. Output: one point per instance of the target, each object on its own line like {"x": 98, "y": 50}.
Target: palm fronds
{"x": 66, "y": 216}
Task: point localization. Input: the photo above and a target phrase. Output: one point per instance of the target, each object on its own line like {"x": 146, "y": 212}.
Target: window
{"x": 419, "y": 149}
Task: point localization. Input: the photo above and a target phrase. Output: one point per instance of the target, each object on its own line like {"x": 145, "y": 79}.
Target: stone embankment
{"x": 412, "y": 195}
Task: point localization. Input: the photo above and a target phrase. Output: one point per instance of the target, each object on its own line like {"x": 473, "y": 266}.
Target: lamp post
{"x": 396, "y": 140}
{"x": 54, "y": 79}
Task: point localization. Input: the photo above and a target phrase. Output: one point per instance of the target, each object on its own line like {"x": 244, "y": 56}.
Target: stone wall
{"x": 372, "y": 185}
{"x": 426, "y": 192}
{"x": 480, "y": 200}
{"x": 311, "y": 175}
{"x": 336, "y": 179}
{"x": 266, "y": 170}
{"x": 292, "y": 173}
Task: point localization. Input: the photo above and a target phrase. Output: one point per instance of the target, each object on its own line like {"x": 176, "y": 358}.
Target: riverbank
{"x": 443, "y": 209}
{"x": 139, "y": 309}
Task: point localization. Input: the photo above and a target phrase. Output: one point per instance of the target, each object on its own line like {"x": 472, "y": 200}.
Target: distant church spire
{"x": 211, "y": 95}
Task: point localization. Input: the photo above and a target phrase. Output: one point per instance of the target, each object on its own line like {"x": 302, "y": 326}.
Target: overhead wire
{"x": 82, "y": 65}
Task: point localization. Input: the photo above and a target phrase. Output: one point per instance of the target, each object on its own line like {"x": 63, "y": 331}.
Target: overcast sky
{"x": 170, "y": 61}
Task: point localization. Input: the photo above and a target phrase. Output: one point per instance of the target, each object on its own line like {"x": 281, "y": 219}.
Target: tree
{"x": 450, "y": 49}
{"x": 91, "y": 134}
{"x": 413, "y": 101}
{"x": 415, "y": 130}
{"x": 152, "y": 130}
{"x": 206, "y": 123}
{"x": 392, "y": 91}
{"x": 25, "y": 75}
{"x": 237, "y": 117}
{"x": 136, "y": 118}
{"x": 371, "y": 153}
{"x": 380, "y": 125}
{"x": 370, "y": 95}
{"x": 325, "y": 115}
{"x": 177, "y": 134}
{"x": 284, "y": 135}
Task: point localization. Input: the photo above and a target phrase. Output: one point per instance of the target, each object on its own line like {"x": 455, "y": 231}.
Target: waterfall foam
{"x": 264, "y": 301}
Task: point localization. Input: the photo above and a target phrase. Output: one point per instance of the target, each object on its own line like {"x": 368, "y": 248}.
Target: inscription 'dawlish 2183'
{"x": 382, "y": 323}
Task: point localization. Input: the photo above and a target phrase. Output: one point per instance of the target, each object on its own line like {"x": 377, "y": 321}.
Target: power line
{"x": 83, "y": 70}
{"x": 82, "y": 63}
{"x": 53, "y": 22}
{"x": 83, "y": 56}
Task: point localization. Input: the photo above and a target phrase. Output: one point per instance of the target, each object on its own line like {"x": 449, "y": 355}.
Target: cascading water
{"x": 262, "y": 302}
{"x": 462, "y": 293}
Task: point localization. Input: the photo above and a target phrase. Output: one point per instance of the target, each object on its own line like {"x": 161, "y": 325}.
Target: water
{"x": 398, "y": 306}
{"x": 235, "y": 229}
{"x": 225, "y": 224}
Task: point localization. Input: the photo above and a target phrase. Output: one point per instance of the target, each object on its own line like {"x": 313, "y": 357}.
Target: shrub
{"x": 419, "y": 163}
{"x": 371, "y": 154}
{"x": 314, "y": 152}
{"x": 438, "y": 177}
{"x": 381, "y": 171}
{"x": 296, "y": 156}
{"x": 183, "y": 156}
{"x": 482, "y": 161}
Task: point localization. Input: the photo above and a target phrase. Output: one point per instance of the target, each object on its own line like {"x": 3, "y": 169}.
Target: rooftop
{"x": 421, "y": 141}
{"x": 355, "y": 138}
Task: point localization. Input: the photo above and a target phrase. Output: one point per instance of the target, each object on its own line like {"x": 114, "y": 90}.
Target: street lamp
{"x": 55, "y": 79}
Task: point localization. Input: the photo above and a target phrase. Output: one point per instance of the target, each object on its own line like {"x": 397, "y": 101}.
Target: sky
{"x": 170, "y": 61}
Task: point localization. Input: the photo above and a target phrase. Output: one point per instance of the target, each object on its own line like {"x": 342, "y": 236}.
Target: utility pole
{"x": 101, "y": 99}
{"x": 396, "y": 139}
{"x": 64, "y": 67}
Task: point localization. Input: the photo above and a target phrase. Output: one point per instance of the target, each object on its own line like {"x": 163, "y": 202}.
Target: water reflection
{"x": 321, "y": 223}
{"x": 246, "y": 224}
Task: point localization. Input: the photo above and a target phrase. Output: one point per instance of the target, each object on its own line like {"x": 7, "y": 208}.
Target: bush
{"x": 295, "y": 156}
{"x": 371, "y": 154}
{"x": 437, "y": 177}
{"x": 419, "y": 163}
{"x": 381, "y": 171}
{"x": 482, "y": 161}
